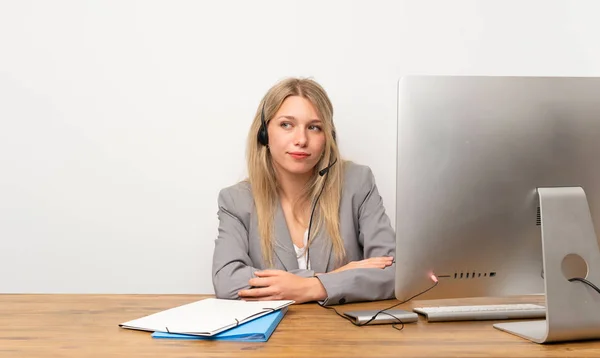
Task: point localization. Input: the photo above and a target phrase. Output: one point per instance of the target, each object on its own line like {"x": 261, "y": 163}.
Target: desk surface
{"x": 87, "y": 326}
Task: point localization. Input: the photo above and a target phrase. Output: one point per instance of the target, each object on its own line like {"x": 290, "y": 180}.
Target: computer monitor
{"x": 476, "y": 157}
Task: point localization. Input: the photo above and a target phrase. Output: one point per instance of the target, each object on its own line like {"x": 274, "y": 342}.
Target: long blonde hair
{"x": 261, "y": 173}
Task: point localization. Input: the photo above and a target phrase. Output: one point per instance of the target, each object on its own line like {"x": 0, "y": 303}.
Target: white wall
{"x": 121, "y": 120}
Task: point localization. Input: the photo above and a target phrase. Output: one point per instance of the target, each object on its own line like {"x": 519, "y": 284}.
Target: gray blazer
{"x": 364, "y": 226}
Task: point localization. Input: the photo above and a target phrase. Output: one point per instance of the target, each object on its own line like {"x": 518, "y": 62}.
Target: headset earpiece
{"x": 263, "y": 135}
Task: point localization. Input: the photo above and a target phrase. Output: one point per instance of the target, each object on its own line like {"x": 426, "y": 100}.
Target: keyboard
{"x": 482, "y": 312}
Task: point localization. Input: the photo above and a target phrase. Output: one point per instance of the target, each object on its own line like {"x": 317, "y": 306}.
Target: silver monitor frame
{"x": 490, "y": 173}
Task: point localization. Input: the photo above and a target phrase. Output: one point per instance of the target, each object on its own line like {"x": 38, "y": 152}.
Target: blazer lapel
{"x": 320, "y": 246}
{"x": 284, "y": 248}
{"x": 320, "y": 250}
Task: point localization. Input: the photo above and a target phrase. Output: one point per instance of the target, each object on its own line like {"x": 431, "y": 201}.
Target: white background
{"x": 121, "y": 120}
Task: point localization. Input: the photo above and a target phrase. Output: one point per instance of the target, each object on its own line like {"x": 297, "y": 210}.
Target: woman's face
{"x": 296, "y": 138}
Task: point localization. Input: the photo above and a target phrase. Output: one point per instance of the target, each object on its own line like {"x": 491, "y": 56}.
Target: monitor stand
{"x": 568, "y": 238}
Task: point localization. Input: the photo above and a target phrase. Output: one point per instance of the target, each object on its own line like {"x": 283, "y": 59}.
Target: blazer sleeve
{"x": 377, "y": 238}
{"x": 232, "y": 266}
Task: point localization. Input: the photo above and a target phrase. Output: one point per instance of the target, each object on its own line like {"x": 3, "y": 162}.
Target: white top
{"x": 301, "y": 253}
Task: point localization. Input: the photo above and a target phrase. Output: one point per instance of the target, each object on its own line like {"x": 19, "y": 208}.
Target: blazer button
{"x": 342, "y": 301}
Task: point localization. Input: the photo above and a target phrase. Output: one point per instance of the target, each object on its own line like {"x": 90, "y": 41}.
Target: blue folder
{"x": 256, "y": 330}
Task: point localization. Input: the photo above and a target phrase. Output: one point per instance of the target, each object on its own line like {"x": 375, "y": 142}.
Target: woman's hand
{"x": 373, "y": 262}
{"x": 282, "y": 285}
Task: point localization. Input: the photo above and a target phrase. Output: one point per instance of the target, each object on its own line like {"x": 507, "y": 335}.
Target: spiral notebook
{"x": 256, "y": 330}
{"x": 206, "y": 317}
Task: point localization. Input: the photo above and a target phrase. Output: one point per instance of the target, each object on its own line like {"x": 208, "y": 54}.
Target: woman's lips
{"x": 299, "y": 155}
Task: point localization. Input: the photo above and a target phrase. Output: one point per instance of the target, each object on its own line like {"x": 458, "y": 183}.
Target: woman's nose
{"x": 301, "y": 137}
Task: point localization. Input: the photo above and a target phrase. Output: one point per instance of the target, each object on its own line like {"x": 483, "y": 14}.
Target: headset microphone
{"x": 321, "y": 173}
{"x": 326, "y": 169}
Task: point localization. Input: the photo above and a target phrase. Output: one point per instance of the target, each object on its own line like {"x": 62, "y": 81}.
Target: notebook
{"x": 206, "y": 317}
{"x": 256, "y": 330}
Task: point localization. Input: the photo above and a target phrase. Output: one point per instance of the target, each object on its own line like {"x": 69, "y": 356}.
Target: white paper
{"x": 206, "y": 317}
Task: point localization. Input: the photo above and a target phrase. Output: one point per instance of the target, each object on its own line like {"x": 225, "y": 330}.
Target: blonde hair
{"x": 261, "y": 173}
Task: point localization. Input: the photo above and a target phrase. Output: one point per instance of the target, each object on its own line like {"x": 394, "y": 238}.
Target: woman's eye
{"x": 314, "y": 128}
{"x": 285, "y": 125}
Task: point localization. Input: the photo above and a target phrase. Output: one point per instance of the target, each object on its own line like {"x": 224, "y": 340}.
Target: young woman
{"x": 305, "y": 225}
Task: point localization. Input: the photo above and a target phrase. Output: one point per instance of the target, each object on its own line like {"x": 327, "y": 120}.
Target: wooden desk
{"x": 87, "y": 326}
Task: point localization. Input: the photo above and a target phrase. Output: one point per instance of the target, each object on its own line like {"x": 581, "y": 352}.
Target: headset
{"x": 263, "y": 138}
